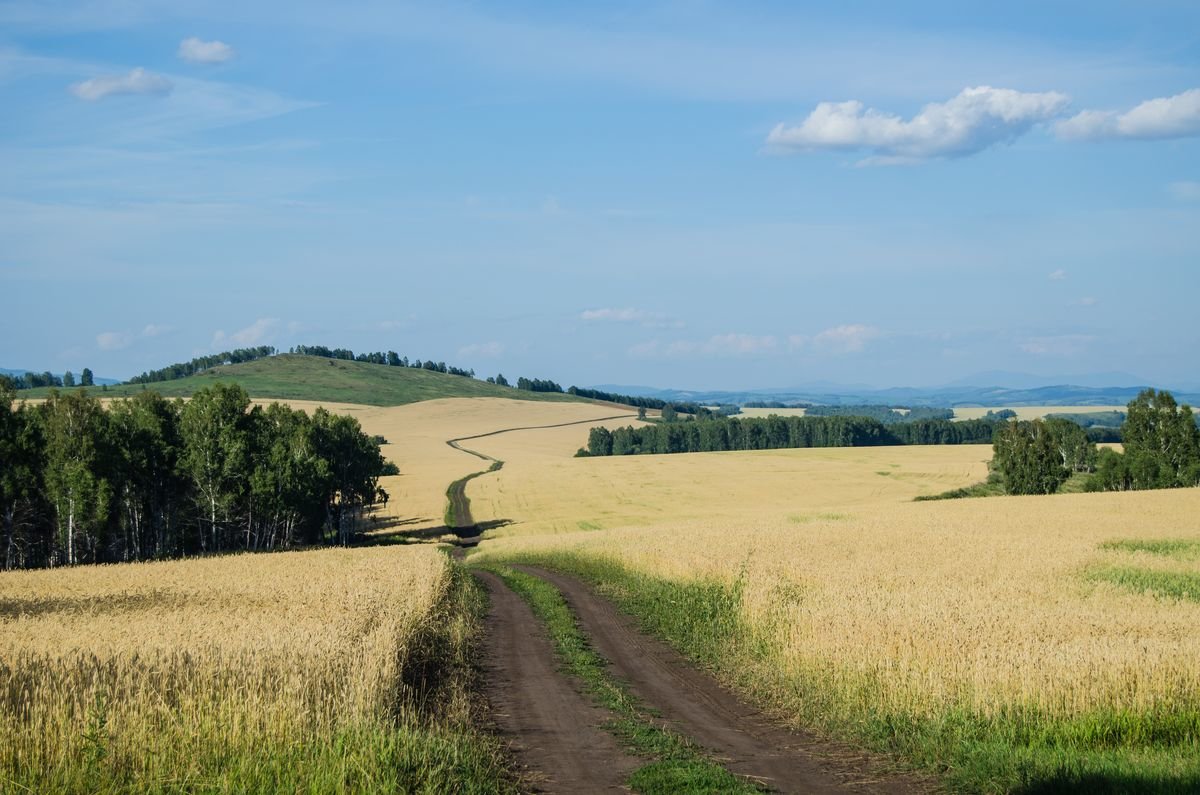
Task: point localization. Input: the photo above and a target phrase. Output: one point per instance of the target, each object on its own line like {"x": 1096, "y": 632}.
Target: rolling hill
{"x": 293, "y": 377}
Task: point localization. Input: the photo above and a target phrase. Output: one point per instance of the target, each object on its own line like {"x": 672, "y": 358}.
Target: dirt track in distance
{"x": 699, "y": 707}
{"x": 553, "y": 729}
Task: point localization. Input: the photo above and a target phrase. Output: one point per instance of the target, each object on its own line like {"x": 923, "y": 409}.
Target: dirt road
{"x": 554, "y": 731}
{"x": 699, "y": 707}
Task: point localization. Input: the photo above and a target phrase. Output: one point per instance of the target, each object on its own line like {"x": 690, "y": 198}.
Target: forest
{"x": 773, "y": 433}
{"x": 149, "y": 478}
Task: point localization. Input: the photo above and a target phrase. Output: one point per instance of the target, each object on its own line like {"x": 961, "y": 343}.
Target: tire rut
{"x": 552, "y": 729}
{"x": 739, "y": 736}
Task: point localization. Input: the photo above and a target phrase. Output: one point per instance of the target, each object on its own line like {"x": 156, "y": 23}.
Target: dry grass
{"x": 142, "y": 672}
{"x": 1030, "y": 412}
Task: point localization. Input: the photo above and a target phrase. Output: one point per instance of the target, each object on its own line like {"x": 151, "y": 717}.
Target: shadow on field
{"x": 394, "y": 533}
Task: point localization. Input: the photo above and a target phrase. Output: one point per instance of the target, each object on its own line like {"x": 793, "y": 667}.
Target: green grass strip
{"x": 1183, "y": 585}
{"x": 680, "y": 766}
{"x": 1177, "y": 548}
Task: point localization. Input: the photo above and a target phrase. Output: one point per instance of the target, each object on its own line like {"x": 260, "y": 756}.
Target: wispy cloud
{"x": 1177, "y": 116}
{"x": 630, "y": 315}
{"x": 194, "y": 50}
{"x": 849, "y": 338}
{"x": 254, "y": 334}
{"x": 1059, "y": 345}
{"x": 1058, "y": 275}
{"x": 137, "y": 81}
{"x": 974, "y": 120}
{"x": 489, "y": 350}
{"x": 1185, "y": 190}
{"x": 733, "y": 344}
{"x": 113, "y": 340}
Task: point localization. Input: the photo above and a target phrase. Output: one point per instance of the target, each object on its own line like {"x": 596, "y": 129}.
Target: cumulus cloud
{"x": 845, "y": 339}
{"x": 1058, "y": 275}
{"x": 630, "y": 315}
{"x": 254, "y": 334}
{"x": 194, "y": 50}
{"x": 1163, "y": 117}
{"x": 485, "y": 349}
{"x": 1061, "y": 345}
{"x": 153, "y": 330}
{"x": 113, "y": 340}
{"x": 972, "y": 121}
{"x": 138, "y": 81}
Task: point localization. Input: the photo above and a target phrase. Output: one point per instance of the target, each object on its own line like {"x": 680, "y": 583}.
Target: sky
{"x": 698, "y": 195}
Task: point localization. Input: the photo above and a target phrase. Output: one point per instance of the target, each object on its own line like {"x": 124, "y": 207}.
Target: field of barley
{"x": 272, "y": 672}
{"x": 1009, "y": 642}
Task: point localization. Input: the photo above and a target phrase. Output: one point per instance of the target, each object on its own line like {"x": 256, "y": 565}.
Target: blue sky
{"x": 701, "y": 195}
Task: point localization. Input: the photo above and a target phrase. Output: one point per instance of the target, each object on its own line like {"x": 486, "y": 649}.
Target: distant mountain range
{"x": 99, "y": 381}
{"x": 1017, "y": 389}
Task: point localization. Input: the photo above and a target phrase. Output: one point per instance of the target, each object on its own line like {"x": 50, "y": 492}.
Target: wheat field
{"x": 226, "y": 673}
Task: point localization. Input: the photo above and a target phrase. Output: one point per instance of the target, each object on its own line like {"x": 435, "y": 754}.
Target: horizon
{"x": 709, "y": 196}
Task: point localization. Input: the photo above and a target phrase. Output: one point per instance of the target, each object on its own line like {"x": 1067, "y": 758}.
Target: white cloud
{"x": 1058, "y": 275}
{"x": 483, "y": 349}
{"x": 138, "y": 81}
{"x": 1061, "y": 345}
{"x": 739, "y": 344}
{"x": 254, "y": 334}
{"x": 153, "y": 330}
{"x": 194, "y": 50}
{"x": 113, "y": 340}
{"x": 1163, "y": 117}
{"x": 1185, "y": 190}
{"x": 1088, "y": 300}
{"x": 630, "y": 315}
{"x": 972, "y": 121}
{"x": 845, "y": 339}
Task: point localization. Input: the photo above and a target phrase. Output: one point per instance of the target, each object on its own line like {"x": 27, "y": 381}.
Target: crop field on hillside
{"x": 289, "y": 671}
{"x": 1031, "y": 412}
{"x": 1005, "y": 640}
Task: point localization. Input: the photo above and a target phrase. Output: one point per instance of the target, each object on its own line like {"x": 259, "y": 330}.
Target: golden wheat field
{"x": 150, "y": 667}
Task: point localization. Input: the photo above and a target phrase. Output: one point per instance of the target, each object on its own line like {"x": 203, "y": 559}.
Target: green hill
{"x": 291, "y": 377}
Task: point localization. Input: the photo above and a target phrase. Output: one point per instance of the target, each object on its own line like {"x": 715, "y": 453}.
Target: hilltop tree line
{"x": 202, "y": 363}
{"x": 773, "y": 433}
{"x": 388, "y": 358}
{"x": 46, "y": 379}
{"x": 150, "y": 478}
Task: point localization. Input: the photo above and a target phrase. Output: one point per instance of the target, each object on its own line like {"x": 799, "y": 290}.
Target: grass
{"x": 1019, "y": 748}
{"x": 1176, "y": 548}
{"x": 293, "y": 377}
{"x": 333, "y": 671}
{"x": 679, "y": 766}
{"x": 1184, "y": 585}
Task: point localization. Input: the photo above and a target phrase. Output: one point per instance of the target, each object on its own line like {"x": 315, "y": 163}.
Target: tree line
{"x": 1161, "y": 443}
{"x": 201, "y": 363}
{"x": 388, "y": 358}
{"x": 885, "y": 414}
{"x": 46, "y": 379}
{"x": 150, "y": 478}
{"x": 772, "y": 433}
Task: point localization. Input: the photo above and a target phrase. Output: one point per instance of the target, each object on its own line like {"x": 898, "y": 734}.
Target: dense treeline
{"x": 679, "y": 406}
{"x": 201, "y": 363}
{"x": 151, "y": 478}
{"x": 537, "y": 385}
{"x": 772, "y": 433}
{"x": 46, "y": 379}
{"x": 885, "y": 414}
{"x": 1161, "y": 450}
